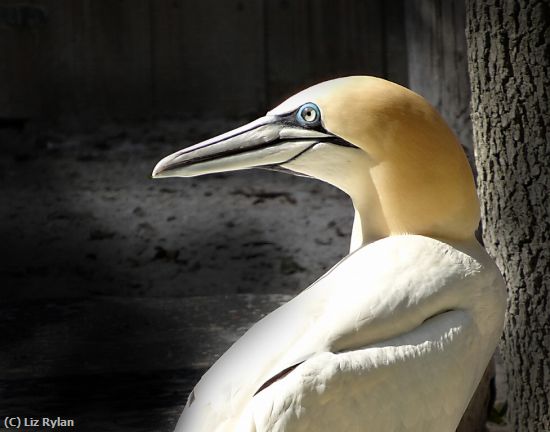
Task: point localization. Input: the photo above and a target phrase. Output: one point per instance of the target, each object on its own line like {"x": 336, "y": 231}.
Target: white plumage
{"x": 398, "y": 334}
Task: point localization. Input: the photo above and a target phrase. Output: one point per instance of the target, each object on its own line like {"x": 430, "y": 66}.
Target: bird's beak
{"x": 266, "y": 142}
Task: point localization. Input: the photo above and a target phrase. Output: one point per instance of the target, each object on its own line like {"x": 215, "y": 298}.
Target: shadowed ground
{"x": 118, "y": 291}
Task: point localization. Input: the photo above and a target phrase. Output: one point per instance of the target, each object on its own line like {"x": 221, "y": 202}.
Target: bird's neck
{"x": 368, "y": 224}
{"x": 356, "y": 234}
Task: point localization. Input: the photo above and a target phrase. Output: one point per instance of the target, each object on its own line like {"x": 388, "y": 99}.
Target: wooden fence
{"x": 136, "y": 58}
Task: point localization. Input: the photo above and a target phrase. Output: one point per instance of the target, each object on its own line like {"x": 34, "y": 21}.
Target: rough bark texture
{"x": 438, "y": 70}
{"x": 509, "y": 50}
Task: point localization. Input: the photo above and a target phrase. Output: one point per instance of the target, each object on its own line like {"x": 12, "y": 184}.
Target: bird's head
{"x": 382, "y": 144}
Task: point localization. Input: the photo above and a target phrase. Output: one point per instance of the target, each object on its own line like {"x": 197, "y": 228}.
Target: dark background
{"x": 118, "y": 291}
{"x": 136, "y": 58}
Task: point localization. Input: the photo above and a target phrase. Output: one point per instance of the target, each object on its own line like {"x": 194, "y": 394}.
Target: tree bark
{"x": 508, "y": 53}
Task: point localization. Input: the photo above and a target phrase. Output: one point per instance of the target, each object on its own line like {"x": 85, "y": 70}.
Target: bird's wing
{"x": 380, "y": 292}
{"x": 419, "y": 381}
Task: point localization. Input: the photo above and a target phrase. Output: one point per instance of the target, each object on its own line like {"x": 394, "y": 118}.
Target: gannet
{"x": 397, "y": 335}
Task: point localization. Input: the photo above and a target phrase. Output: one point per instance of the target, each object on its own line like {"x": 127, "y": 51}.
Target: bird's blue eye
{"x": 309, "y": 115}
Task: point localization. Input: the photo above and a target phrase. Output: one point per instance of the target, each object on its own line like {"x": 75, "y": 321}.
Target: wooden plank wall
{"x": 437, "y": 48}
{"x": 136, "y": 58}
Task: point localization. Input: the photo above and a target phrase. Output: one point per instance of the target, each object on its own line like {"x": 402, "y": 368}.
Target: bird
{"x": 397, "y": 335}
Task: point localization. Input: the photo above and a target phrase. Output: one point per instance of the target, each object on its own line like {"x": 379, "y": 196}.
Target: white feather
{"x": 395, "y": 337}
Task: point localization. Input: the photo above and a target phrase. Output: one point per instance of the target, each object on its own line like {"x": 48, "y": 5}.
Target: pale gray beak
{"x": 267, "y": 142}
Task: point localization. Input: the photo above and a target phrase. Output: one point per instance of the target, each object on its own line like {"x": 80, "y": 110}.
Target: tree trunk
{"x": 438, "y": 70}
{"x": 508, "y": 53}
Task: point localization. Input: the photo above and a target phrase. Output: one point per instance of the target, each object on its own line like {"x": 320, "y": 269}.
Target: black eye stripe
{"x": 290, "y": 120}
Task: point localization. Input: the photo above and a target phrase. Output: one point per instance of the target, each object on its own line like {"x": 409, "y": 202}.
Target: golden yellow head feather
{"x": 417, "y": 169}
